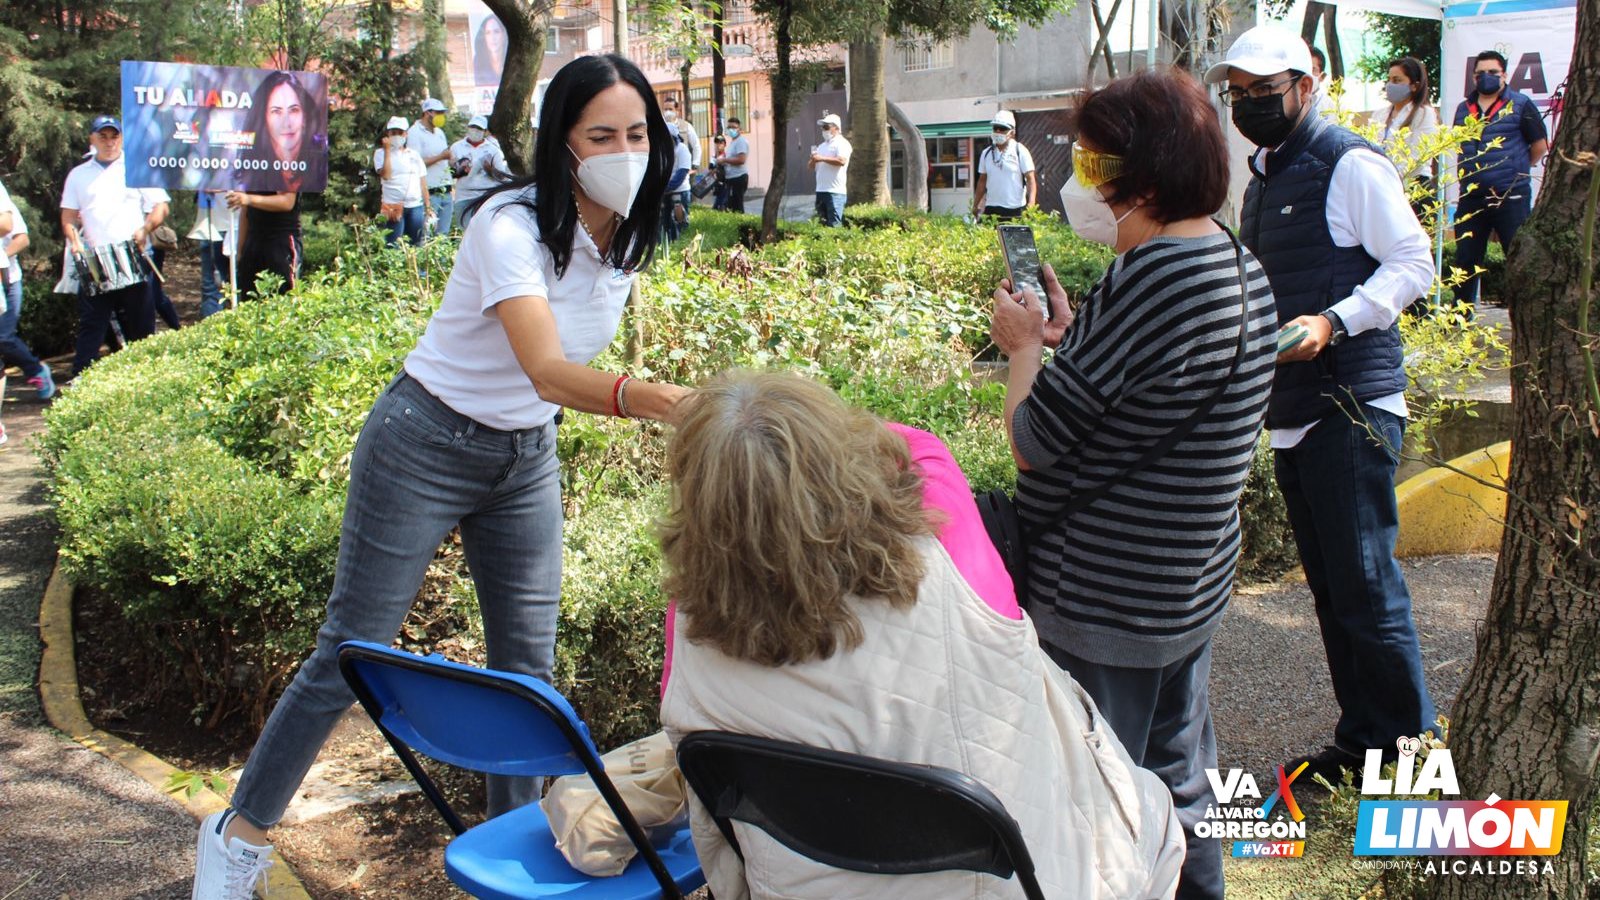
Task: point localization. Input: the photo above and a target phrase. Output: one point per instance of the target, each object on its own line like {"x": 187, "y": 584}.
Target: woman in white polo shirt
{"x": 405, "y": 184}
{"x": 465, "y": 435}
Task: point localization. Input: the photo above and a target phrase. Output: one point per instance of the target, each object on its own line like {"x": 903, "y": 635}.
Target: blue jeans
{"x": 12, "y": 350}
{"x": 1163, "y": 718}
{"x": 444, "y": 204}
{"x": 830, "y": 208}
{"x": 419, "y": 470}
{"x": 213, "y": 273}
{"x": 134, "y": 308}
{"x": 410, "y": 224}
{"x": 1338, "y": 485}
{"x": 1503, "y": 217}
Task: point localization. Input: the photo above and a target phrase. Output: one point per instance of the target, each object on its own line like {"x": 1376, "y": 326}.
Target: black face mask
{"x": 1262, "y": 120}
{"x": 1488, "y": 83}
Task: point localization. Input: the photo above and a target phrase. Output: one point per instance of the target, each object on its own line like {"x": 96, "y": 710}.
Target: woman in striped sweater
{"x": 1132, "y": 543}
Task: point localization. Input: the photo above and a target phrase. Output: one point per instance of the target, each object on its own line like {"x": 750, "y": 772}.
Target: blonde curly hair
{"x": 785, "y": 501}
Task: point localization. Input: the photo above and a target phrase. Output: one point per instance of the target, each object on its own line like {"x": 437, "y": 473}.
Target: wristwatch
{"x": 1339, "y": 332}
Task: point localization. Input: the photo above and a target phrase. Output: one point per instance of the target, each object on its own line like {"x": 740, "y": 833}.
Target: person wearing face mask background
{"x": 830, "y": 160}
{"x": 1133, "y": 537}
{"x": 691, "y": 138}
{"x": 1007, "y": 182}
{"x": 1495, "y": 182}
{"x": 479, "y": 165}
{"x": 735, "y": 164}
{"x": 465, "y": 435}
{"x": 404, "y": 176}
{"x": 1327, "y": 216}
{"x": 1409, "y": 122}
{"x": 426, "y": 136}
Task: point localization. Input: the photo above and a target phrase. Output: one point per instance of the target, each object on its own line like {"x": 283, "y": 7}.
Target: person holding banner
{"x": 268, "y": 238}
{"x": 465, "y": 435}
{"x": 99, "y": 210}
{"x": 1496, "y": 187}
{"x": 406, "y": 202}
{"x": 211, "y": 225}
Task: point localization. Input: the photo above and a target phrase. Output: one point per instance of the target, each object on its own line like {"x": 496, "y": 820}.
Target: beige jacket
{"x": 951, "y": 683}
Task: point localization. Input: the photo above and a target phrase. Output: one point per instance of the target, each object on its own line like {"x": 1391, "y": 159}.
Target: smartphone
{"x": 1290, "y": 337}
{"x": 1022, "y": 262}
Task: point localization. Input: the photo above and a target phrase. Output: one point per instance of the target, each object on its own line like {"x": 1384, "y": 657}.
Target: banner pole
{"x": 233, "y": 259}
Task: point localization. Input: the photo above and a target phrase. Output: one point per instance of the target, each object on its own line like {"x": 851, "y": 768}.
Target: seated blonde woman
{"x": 835, "y": 587}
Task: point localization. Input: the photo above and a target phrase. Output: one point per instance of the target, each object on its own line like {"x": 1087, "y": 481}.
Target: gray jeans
{"x": 419, "y": 470}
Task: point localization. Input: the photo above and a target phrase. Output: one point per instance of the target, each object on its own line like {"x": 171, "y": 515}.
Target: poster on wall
{"x": 195, "y": 127}
{"x": 1535, "y": 37}
{"x": 488, "y": 40}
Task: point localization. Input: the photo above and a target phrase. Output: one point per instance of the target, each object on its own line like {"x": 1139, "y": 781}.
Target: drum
{"x": 111, "y": 267}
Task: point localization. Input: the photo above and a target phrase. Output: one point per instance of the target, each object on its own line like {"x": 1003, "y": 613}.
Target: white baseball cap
{"x": 397, "y": 123}
{"x": 830, "y": 119}
{"x": 432, "y": 105}
{"x": 1263, "y": 50}
{"x": 1006, "y": 119}
{"x": 479, "y": 122}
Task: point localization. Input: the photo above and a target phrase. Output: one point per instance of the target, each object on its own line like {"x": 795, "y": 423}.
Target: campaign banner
{"x": 1535, "y": 37}
{"x": 194, "y": 127}
{"x": 489, "y": 43}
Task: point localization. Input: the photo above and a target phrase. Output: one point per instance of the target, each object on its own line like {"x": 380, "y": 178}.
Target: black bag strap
{"x": 1165, "y": 445}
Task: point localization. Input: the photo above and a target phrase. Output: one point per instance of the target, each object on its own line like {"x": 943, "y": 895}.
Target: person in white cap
{"x": 830, "y": 160}
{"x": 406, "y": 202}
{"x": 675, "y": 203}
{"x": 479, "y": 165}
{"x": 428, "y": 139}
{"x": 1326, "y": 215}
{"x": 1007, "y": 182}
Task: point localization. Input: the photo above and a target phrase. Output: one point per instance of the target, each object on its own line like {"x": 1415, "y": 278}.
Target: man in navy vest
{"x": 1496, "y": 194}
{"x": 1327, "y": 217}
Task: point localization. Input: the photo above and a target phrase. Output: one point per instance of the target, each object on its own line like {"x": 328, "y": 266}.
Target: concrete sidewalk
{"x": 74, "y": 824}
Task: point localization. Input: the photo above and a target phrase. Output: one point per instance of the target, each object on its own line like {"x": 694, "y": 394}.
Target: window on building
{"x": 735, "y": 94}
{"x": 897, "y": 166}
{"x": 923, "y": 55}
{"x": 552, "y": 41}
{"x": 736, "y": 12}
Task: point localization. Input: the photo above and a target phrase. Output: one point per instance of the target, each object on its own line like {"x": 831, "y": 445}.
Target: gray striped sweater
{"x": 1141, "y": 576}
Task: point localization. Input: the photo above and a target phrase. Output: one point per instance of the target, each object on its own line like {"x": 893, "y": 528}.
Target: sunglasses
{"x": 1094, "y": 168}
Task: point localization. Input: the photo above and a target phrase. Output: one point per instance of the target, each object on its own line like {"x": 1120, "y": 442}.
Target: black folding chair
{"x": 855, "y": 812}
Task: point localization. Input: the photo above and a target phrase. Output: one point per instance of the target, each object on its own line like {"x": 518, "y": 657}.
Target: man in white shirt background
{"x": 427, "y": 137}
{"x": 736, "y": 164}
{"x": 98, "y": 209}
{"x": 830, "y": 160}
{"x": 1007, "y": 182}
{"x": 691, "y": 139}
{"x": 1327, "y": 217}
{"x": 479, "y": 165}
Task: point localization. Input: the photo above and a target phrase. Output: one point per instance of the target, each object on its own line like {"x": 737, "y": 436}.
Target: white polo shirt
{"x": 8, "y": 272}
{"x": 465, "y": 357}
{"x": 830, "y": 178}
{"x": 404, "y": 184}
{"x": 478, "y": 181}
{"x": 1006, "y": 171}
{"x": 428, "y": 143}
{"x": 109, "y": 210}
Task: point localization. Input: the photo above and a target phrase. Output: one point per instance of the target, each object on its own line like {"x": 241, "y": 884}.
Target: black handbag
{"x": 998, "y": 510}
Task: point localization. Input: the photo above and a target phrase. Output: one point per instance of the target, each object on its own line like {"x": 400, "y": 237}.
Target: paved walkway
{"x": 73, "y": 824}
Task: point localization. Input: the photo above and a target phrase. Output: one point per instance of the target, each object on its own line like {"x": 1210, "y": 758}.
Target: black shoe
{"x": 1330, "y": 763}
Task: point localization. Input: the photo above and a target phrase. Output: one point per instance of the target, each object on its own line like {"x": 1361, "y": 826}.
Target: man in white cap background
{"x": 427, "y": 137}
{"x": 691, "y": 138}
{"x": 405, "y": 198}
{"x": 830, "y": 160}
{"x": 1007, "y": 182}
{"x": 1327, "y": 217}
{"x": 479, "y": 165}
{"x": 98, "y": 209}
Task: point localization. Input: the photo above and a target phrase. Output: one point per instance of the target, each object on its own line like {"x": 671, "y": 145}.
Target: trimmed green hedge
{"x": 200, "y": 475}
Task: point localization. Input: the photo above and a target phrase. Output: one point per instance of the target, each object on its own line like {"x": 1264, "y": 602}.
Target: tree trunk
{"x": 1527, "y": 723}
{"x": 435, "y": 55}
{"x": 868, "y": 178}
{"x": 1103, "y": 44}
{"x": 916, "y": 157}
{"x": 524, "y": 24}
{"x": 782, "y": 87}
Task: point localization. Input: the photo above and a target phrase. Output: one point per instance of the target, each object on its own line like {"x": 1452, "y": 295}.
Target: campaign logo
{"x": 1487, "y": 827}
{"x": 1256, "y": 833}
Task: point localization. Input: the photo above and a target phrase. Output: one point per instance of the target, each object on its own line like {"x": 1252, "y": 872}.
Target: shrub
{"x": 49, "y": 321}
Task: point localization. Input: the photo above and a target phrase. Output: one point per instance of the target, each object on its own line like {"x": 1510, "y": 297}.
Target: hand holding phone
{"x": 1022, "y": 262}
{"x": 1290, "y": 338}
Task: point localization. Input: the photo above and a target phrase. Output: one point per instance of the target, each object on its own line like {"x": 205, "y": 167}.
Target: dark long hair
{"x": 313, "y": 137}
{"x": 1418, "y": 73}
{"x": 553, "y": 201}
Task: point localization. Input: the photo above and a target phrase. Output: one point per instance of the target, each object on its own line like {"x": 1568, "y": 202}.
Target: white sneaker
{"x": 226, "y": 870}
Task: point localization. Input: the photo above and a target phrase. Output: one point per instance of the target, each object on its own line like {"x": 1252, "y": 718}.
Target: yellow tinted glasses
{"x": 1094, "y": 168}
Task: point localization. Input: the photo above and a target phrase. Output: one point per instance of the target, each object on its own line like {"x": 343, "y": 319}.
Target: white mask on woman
{"x": 397, "y": 141}
{"x": 1089, "y": 214}
{"x": 612, "y": 179}
{"x": 475, "y": 135}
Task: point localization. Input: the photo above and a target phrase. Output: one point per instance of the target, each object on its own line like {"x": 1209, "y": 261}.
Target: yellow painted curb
{"x": 58, "y": 689}
{"x": 1449, "y": 509}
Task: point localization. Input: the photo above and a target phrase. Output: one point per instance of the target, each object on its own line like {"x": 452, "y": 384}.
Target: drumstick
{"x": 151, "y": 262}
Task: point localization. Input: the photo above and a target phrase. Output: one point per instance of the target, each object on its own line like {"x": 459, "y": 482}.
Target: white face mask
{"x": 612, "y": 179}
{"x": 670, "y": 116}
{"x": 999, "y": 139}
{"x": 397, "y": 141}
{"x": 475, "y": 135}
{"x": 1089, "y": 214}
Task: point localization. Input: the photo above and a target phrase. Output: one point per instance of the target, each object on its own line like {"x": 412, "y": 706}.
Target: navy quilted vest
{"x": 1285, "y": 224}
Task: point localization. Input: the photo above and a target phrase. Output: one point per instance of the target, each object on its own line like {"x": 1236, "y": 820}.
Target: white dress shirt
{"x": 1367, "y": 206}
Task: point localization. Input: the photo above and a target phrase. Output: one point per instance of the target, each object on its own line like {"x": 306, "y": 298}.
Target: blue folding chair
{"x": 506, "y": 724}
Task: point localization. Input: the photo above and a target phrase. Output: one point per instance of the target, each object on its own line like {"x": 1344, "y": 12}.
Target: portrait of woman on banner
{"x": 489, "y": 51}
{"x": 290, "y": 124}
